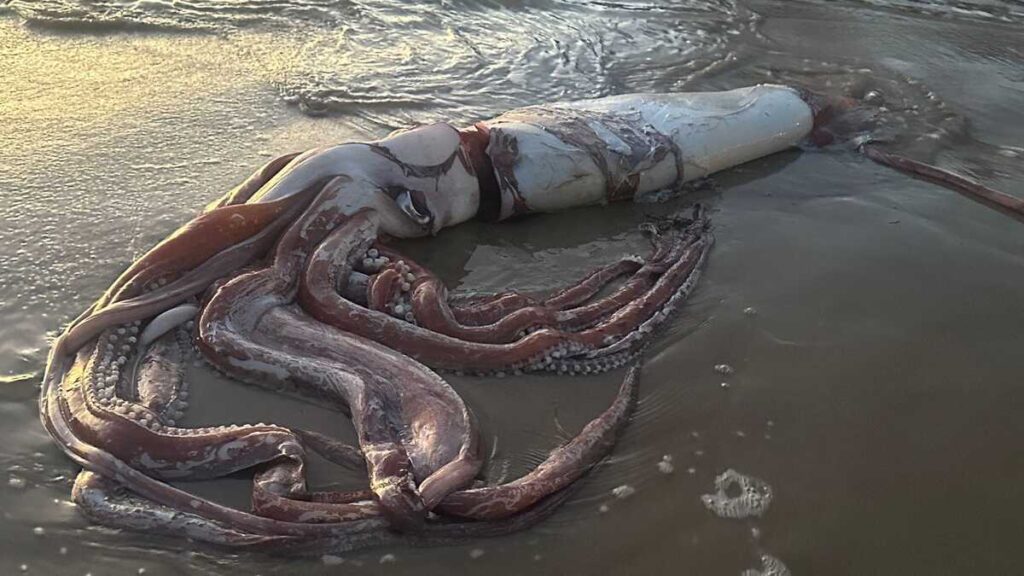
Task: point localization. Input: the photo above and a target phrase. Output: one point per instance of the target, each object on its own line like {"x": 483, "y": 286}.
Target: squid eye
{"x": 414, "y": 204}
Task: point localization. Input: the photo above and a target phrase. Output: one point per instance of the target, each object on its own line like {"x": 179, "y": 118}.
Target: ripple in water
{"x": 401, "y": 64}
{"x": 386, "y": 64}
{"x": 198, "y": 15}
{"x": 392, "y": 63}
{"x": 984, "y": 10}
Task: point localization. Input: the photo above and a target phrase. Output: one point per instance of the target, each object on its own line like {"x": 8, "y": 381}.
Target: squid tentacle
{"x": 625, "y": 310}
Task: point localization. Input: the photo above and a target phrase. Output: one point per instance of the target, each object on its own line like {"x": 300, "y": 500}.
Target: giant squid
{"x": 290, "y": 281}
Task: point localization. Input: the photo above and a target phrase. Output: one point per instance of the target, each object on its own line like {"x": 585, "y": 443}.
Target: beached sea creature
{"x": 289, "y": 282}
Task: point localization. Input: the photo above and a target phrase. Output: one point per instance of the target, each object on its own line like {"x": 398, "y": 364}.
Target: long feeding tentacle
{"x": 974, "y": 190}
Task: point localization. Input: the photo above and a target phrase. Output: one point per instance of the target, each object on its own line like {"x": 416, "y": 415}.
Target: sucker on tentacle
{"x": 287, "y": 282}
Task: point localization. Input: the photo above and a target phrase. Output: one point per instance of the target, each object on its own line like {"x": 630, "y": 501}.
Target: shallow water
{"x": 876, "y": 384}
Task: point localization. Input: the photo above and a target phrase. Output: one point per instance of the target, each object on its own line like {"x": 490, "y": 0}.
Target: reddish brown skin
{"x": 195, "y": 243}
{"x": 382, "y": 289}
{"x": 563, "y": 466}
{"x": 429, "y": 304}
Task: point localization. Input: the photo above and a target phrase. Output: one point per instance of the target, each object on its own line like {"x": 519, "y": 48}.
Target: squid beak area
{"x": 837, "y": 119}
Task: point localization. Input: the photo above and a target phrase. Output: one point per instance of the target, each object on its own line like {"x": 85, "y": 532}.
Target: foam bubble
{"x": 623, "y": 492}
{"x": 753, "y": 500}
{"x": 331, "y": 560}
{"x": 665, "y": 465}
{"x": 770, "y": 566}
